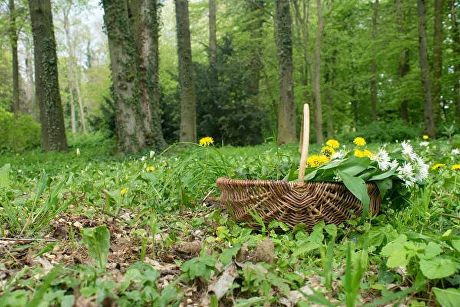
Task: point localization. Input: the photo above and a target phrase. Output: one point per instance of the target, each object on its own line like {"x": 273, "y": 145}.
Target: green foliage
{"x": 18, "y": 135}
{"x": 98, "y": 241}
{"x": 385, "y": 132}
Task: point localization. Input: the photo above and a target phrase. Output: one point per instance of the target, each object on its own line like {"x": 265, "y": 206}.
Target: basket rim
{"x": 292, "y": 183}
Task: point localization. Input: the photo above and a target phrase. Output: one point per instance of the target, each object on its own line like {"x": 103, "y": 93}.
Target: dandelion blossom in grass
{"x": 150, "y": 168}
{"x": 437, "y": 166}
{"x": 456, "y": 167}
{"x": 333, "y": 143}
{"x": 368, "y": 153}
{"x": 123, "y": 191}
{"x": 328, "y": 151}
{"x": 359, "y": 141}
{"x": 359, "y": 153}
{"x": 425, "y": 137}
{"x": 206, "y": 141}
{"x": 383, "y": 159}
{"x": 316, "y": 160}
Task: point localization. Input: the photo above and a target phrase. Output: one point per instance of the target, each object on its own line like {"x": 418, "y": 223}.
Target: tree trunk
{"x": 403, "y": 62}
{"x": 186, "y": 78}
{"x": 46, "y": 76}
{"x": 256, "y": 12}
{"x": 330, "y": 80}
{"x": 73, "y": 121}
{"x": 374, "y": 63}
{"x": 32, "y": 106}
{"x": 287, "y": 113}
{"x": 455, "y": 32}
{"x": 81, "y": 112}
{"x": 437, "y": 57}
{"x": 212, "y": 41}
{"x": 146, "y": 32}
{"x": 14, "y": 52}
{"x": 317, "y": 77}
{"x": 425, "y": 72}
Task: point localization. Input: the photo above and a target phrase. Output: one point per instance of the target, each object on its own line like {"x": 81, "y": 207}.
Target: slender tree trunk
{"x": 81, "y": 112}
{"x": 330, "y": 80}
{"x": 14, "y": 52}
{"x": 46, "y": 76}
{"x": 425, "y": 72}
{"x": 287, "y": 113}
{"x": 317, "y": 78}
{"x": 213, "y": 41}
{"x": 403, "y": 62}
{"x": 146, "y": 32}
{"x": 256, "y": 11}
{"x": 374, "y": 63}
{"x": 32, "y": 106}
{"x": 437, "y": 58}
{"x": 455, "y": 32}
{"x": 186, "y": 79}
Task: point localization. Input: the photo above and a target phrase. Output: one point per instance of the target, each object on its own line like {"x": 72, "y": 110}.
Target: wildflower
{"x": 456, "y": 167}
{"x": 437, "y": 166}
{"x": 359, "y": 141}
{"x": 408, "y": 152}
{"x": 368, "y": 153}
{"x": 360, "y": 153}
{"x": 421, "y": 169}
{"x": 383, "y": 159}
{"x": 328, "y": 151}
{"x": 425, "y": 137}
{"x": 150, "y": 168}
{"x": 394, "y": 164}
{"x": 206, "y": 141}
{"x": 316, "y": 160}
{"x": 406, "y": 174}
{"x": 151, "y": 154}
{"x": 17, "y": 155}
{"x": 78, "y": 151}
{"x": 143, "y": 158}
{"x": 123, "y": 191}
{"x": 424, "y": 144}
{"x": 333, "y": 143}
{"x": 456, "y": 151}
{"x": 338, "y": 155}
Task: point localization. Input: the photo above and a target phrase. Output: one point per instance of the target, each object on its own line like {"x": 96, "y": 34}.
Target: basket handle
{"x": 304, "y": 141}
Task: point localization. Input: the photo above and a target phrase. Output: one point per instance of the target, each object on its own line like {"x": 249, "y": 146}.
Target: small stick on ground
{"x": 28, "y": 239}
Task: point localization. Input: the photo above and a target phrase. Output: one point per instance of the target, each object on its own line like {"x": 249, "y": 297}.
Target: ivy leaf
{"x": 447, "y": 297}
{"x": 357, "y": 186}
{"x": 437, "y": 268}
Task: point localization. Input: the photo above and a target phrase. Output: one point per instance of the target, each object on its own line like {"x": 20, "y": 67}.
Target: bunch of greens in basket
{"x": 394, "y": 172}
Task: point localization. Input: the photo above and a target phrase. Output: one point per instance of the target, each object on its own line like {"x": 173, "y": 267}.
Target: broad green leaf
{"x": 384, "y": 186}
{"x": 357, "y": 186}
{"x": 5, "y": 176}
{"x": 456, "y": 244}
{"x": 431, "y": 250}
{"x": 437, "y": 268}
{"x": 398, "y": 258}
{"x": 98, "y": 241}
{"x": 396, "y": 253}
{"x": 447, "y": 297}
{"x": 384, "y": 175}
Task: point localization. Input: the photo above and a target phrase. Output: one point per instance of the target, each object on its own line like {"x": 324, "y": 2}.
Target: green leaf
{"x": 98, "y": 241}
{"x": 5, "y": 176}
{"x": 384, "y": 186}
{"x": 456, "y": 244}
{"x": 431, "y": 250}
{"x": 396, "y": 253}
{"x": 46, "y": 249}
{"x": 357, "y": 186}
{"x": 384, "y": 175}
{"x": 437, "y": 268}
{"x": 447, "y": 297}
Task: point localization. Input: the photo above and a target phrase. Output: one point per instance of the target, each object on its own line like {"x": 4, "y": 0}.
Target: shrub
{"x": 17, "y": 135}
{"x": 385, "y": 132}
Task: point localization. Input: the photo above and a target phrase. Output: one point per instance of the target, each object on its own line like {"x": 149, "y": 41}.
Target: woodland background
{"x": 360, "y": 64}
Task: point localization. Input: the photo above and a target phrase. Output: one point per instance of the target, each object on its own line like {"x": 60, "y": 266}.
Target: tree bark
{"x": 46, "y": 76}
{"x": 14, "y": 52}
{"x": 256, "y": 11}
{"x": 146, "y": 32}
{"x": 186, "y": 78}
{"x": 317, "y": 77}
{"x": 455, "y": 32}
{"x": 212, "y": 40}
{"x": 73, "y": 120}
{"x": 425, "y": 70}
{"x": 403, "y": 62}
{"x": 437, "y": 57}
{"x": 373, "y": 84}
{"x": 287, "y": 113}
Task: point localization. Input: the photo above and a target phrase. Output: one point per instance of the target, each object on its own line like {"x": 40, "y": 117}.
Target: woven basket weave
{"x": 294, "y": 202}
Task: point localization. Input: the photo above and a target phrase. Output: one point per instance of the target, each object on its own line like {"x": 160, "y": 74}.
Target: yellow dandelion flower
{"x": 328, "y": 151}
{"x": 323, "y": 159}
{"x": 359, "y": 153}
{"x": 368, "y": 153}
{"x": 123, "y": 191}
{"x": 437, "y": 166}
{"x": 425, "y": 137}
{"x": 316, "y": 160}
{"x": 206, "y": 141}
{"x": 359, "y": 141}
{"x": 150, "y": 168}
{"x": 333, "y": 143}
{"x": 456, "y": 167}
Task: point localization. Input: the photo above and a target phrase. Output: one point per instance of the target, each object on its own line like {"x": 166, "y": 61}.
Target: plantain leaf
{"x": 358, "y": 188}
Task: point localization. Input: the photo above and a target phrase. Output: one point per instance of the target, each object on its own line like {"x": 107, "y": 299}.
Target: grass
{"x": 92, "y": 228}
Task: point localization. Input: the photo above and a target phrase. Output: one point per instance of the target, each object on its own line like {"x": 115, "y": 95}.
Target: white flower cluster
{"x": 413, "y": 169}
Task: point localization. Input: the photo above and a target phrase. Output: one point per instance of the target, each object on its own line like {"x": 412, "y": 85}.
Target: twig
{"x": 27, "y": 239}
{"x": 449, "y": 215}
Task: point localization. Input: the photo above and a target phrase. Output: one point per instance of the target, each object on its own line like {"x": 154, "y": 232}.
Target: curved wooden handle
{"x": 304, "y": 141}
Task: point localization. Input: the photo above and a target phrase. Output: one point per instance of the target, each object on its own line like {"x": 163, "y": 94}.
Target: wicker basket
{"x": 294, "y": 202}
